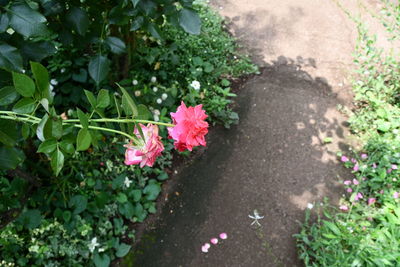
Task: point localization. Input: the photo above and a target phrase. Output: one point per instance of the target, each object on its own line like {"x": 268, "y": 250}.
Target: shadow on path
{"x": 273, "y": 161}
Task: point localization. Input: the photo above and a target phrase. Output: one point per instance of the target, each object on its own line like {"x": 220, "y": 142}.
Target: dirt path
{"x": 275, "y": 160}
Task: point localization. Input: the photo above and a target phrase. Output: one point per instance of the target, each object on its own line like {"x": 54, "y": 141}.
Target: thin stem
{"x": 106, "y": 130}
{"x": 17, "y": 114}
{"x": 123, "y": 121}
{"x": 18, "y": 119}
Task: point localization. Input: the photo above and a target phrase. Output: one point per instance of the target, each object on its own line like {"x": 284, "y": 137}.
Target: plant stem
{"x": 124, "y": 121}
{"x": 107, "y": 130}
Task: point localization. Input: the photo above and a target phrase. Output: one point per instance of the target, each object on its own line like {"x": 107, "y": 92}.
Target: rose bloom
{"x": 190, "y": 127}
{"x": 146, "y": 152}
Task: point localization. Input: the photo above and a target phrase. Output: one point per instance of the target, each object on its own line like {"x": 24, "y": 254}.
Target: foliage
{"x": 364, "y": 230}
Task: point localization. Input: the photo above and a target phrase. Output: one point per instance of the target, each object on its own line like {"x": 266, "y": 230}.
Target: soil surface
{"x": 275, "y": 160}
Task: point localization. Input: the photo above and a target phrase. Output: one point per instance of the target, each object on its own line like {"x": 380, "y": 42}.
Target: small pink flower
{"x": 396, "y": 195}
{"x": 207, "y": 245}
{"x": 190, "y": 127}
{"x": 394, "y": 167}
{"x": 344, "y": 159}
{"x": 389, "y": 170}
{"x": 355, "y": 181}
{"x": 356, "y": 168}
{"x": 374, "y": 165}
{"x": 223, "y": 236}
{"x": 344, "y": 207}
{"x": 214, "y": 241}
{"x": 358, "y": 196}
{"x": 364, "y": 228}
{"x": 353, "y": 160}
{"x": 364, "y": 178}
{"x": 371, "y": 201}
{"x": 204, "y": 248}
{"x": 381, "y": 191}
{"x": 101, "y": 163}
{"x": 349, "y": 190}
{"x": 347, "y": 182}
{"x": 364, "y": 156}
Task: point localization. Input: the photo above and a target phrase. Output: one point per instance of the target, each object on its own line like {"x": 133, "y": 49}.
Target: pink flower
{"x": 146, "y": 152}
{"x": 374, "y": 165}
{"x": 394, "y": 167}
{"x": 214, "y": 241}
{"x": 396, "y": 195}
{"x": 358, "y": 196}
{"x": 349, "y": 190}
{"x": 223, "y": 236}
{"x": 389, "y": 170}
{"x": 355, "y": 181}
{"x": 190, "y": 127}
{"x": 356, "y": 168}
{"x": 353, "y": 160}
{"x": 371, "y": 200}
{"x": 343, "y": 207}
{"x": 381, "y": 191}
{"x": 364, "y": 156}
{"x": 347, "y": 182}
{"x": 344, "y": 159}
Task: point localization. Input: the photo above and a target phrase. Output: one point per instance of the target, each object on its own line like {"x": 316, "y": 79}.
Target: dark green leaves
{"x": 99, "y": 66}
{"x": 91, "y": 98}
{"x": 152, "y": 190}
{"x": 30, "y": 219}
{"x": 42, "y": 79}
{"x": 27, "y": 21}
{"x": 23, "y": 84}
{"x": 48, "y": 146}
{"x": 135, "y": 2}
{"x": 122, "y": 250}
{"x": 24, "y": 106}
{"x": 103, "y": 99}
{"x": 78, "y": 203}
{"x": 10, "y": 157}
{"x": 79, "y": 20}
{"x": 189, "y": 21}
{"x": 8, "y": 132}
{"x": 8, "y": 95}
{"x": 128, "y": 104}
{"x": 10, "y": 58}
{"x": 102, "y": 260}
{"x": 57, "y": 161}
{"x": 116, "y": 45}
{"x": 83, "y": 140}
{"x": 83, "y": 118}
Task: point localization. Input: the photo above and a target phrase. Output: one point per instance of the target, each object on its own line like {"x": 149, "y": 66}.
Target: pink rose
{"x": 190, "y": 127}
{"x": 148, "y": 150}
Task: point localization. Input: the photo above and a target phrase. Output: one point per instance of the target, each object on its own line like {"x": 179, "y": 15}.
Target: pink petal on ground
{"x": 204, "y": 249}
{"x": 347, "y": 182}
{"x": 214, "y": 241}
{"x": 207, "y": 245}
{"x": 223, "y": 236}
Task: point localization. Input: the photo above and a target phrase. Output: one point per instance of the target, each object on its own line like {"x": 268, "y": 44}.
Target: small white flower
{"x": 51, "y": 87}
{"x": 62, "y": 70}
{"x": 156, "y": 112}
{"x": 127, "y": 182}
{"x": 153, "y": 79}
{"x": 156, "y": 118}
{"x": 93, "y": 244}
{"x": 164, "y": 96}
{"x": 159, "y": 101}
{"x": 256, "y": 217}
{"x": 102, "y": 249}
{"x": 195, "y": 85}
{"x": 155, "y": 89}
{"x": 134, "y": 82}
{"x": 310, "y": 206}
{"x": 23, "y": 71}
{"x": 137, "y": 93}
{"x": 53, "y": 81}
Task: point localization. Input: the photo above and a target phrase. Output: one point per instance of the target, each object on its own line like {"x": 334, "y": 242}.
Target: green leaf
{"x": 137, "y": 23}
{"x": 127, "y": 103}
{"x": 25, "y": 130}
{"x": 67, "y": 215}
{"x": 53, "y": 128}
{"x": 37, "y": 51}
{"x": 4, "y": 22}
{"x": 10, "y": 58}
{"x": 67, "y": 146}
{"x": 91, "y": 98}
{"x": 102, "y": 260}
{"x": 103, "y": 99}
{"x": 190, "y": 21}
{"x": 83, "y": 118}
{"x": 122, "y": 250}
{"x": 81, "y": 76}
{"x": 10, "y": 157}
{"x": 40, "y": 128}
{"x": 78, "y": 19}
{"x": 41, "y": 76}
{"x": 135, "y": 2}
{"x": 30, "y": 219}
{"x": 328, "y": 140}
{"x": 78, "y": 203}
{"x": 116, "y": 45}
{"x": 143, "y": 112}
{"x": 126, "y": 209}
{"x": 152, "y": 191}
{"x": 57, "y": 161}
{"x": 121, "y": 198}
{"x": 8, "y": 132}
{"x": 99, "y": 66}
{"x": 83, "y": 140}
{"x": 8, "y": 95}
{"x": 27, "y": 21}
{"x": 47, "y": 146}
{"x": 45, "y": 104}
{"x": 137, "y": 195}
{"x": 23, "y": 84}
{"x": 154, "y": 30}
{"x": 24, "y": 106}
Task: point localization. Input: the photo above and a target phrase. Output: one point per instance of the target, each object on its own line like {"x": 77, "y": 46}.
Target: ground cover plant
{"x": 364, "y": 229}
{"x": 84, "y": 150}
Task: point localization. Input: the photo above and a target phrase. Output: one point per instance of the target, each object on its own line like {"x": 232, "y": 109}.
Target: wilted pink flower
{"x": 146, "y": 152}
{"x": 358, "y": 196}
{"x": 396, "y": 195}
{"x": 356, "y": 168}
{"x": 353, "y": 160}
{"x": 364, "y": 156}
{"x": 374, "y": 165}
{"x": 371, "y": 200}
{"x": 223, "y": 236}
{"x": 381, "y": 191}
{"x": 394, "y": 167}
{"x": 214, "y": 241}
{"x": 344, "y": 159}
{"x": 343, "y": 207}
{"x": 349, "y": 190}
{"x": 389, "y": 170}
{"x": 355, "y": 181}
{"x": 101, "y": 163}
{"x": 347, "y": 182}
{"x": 190, "y": 127}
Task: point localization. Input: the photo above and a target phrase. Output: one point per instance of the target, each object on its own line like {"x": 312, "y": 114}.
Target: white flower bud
{"x": 164, "y": 96}
{"x": 159, "y": 101}
{"x": 153, "y": 79}
{"x": 155, "y": 89}
{"x": 134, "y": 82}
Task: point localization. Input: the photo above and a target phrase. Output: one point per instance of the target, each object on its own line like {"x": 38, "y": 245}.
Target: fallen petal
{"x": 204, "y": 249}
{"x": 214, "y": 241}
{"x": 207, "y": 245}
{"x": 223, "y": 236}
